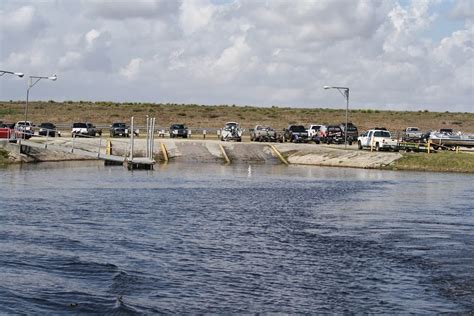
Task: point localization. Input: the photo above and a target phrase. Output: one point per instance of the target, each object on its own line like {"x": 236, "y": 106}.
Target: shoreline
{"x": 210, "y": 151}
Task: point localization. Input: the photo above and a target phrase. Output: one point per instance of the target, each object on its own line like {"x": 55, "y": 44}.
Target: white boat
{"x": 451, "y": 139}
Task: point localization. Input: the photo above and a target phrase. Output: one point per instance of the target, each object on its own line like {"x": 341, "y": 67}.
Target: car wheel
{"x": 377, "y": 147}
{"x": 359, "y": 145}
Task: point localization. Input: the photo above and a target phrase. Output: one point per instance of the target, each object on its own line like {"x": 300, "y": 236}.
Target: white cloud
{"x": 132, "y": 70}
{"x": 245, "y": 51}
{"x": 122, "y": 9}
{"x": 70, "y": 60}
{"x": 90, "y": 37}
{"x": 195, "y": 14}
{"x": 19, "y": 20}
{"x": 463, "y": 9}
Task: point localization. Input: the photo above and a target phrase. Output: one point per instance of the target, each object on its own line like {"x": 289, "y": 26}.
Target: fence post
{"x": 73, "y": 138}
{"x": 204, "y": 134}
{"x": 131, "y": 141}
{"x": 100, "y": 143}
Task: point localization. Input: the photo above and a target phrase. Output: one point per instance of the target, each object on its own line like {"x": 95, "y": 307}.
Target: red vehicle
{"x": 6, "y": 131}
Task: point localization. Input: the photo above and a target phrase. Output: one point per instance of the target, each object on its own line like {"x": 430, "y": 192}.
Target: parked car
{"x": 93, "y": 131}
{"x": 413, "y": 132}
{"x": 24, "y": 129}
{"x": 295, "y": 134}
{"x": 377, "y": 139}
{"x": 330, "y": 134}
{"x": 119, "y": 129}
{"x": 85, "y": 129}
{"x": 231, "y": 131}
{"x": 313, "y": 130}
{"x": 7, "y": 130}
{"x": 48, "y": 129}
{"x": 178, "y": 130}
{"x": 352, "y": 132}
{"x": 263, "y": 134}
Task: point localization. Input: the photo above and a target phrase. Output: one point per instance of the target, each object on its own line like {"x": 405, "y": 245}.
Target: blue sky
{"x": 407, "y": 55}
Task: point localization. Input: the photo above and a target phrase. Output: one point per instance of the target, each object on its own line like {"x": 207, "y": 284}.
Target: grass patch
{"x": 3, "y": 156}
{"x": 8, "y": 112}
{"x": 441, "y": 161}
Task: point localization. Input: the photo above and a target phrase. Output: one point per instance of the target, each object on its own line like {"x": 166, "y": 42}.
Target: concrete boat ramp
{"x": 169, "y": 150}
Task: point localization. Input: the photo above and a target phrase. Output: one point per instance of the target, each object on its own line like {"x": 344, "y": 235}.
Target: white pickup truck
{"x": 377, "y": 139}
{"x": 313, "y": 130}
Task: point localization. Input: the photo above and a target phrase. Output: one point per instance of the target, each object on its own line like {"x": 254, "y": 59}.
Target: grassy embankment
{"x": 440, "y": 162}
{"x": 205, "y": 116}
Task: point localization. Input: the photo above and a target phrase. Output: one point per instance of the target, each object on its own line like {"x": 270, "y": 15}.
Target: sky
{"x": 393, "y": 55}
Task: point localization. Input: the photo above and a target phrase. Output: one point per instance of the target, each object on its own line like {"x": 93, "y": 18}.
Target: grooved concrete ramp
{"x": 198, "y": 151}
{"x": 187, "y": 150}
{"x": 321, "y": 155}
{"x": 250, "y": 152}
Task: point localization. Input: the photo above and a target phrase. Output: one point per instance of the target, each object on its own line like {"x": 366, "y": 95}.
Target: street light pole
{"x": 19, "y": 74}
{"x": 31, "y": 84}
{"x": 345, "y": 93}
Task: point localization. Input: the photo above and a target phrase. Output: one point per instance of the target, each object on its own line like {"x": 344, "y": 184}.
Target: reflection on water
{"x": 214, "y": 238}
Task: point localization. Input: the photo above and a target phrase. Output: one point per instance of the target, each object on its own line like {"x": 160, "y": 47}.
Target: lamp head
{"x": 19, "y": 74}
{"x": 53, "y": 77}
{"x": 327, "y": 87}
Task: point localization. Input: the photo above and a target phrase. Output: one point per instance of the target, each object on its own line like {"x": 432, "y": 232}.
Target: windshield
{"x": 118, "y": 125}
{"x": 381, "y": 134}
{"x": 178, "y": 126}
{"x": 334, "y": 129}
{"x": 230, "y": 126}
{"x": 351, "y": 128}
{"x": 315, "y": 127}
{"x": 23, "y": 123}
{"x": 79, "y": 125}
{"x": 47, "y": 125}
{"x": 298, "y": 128}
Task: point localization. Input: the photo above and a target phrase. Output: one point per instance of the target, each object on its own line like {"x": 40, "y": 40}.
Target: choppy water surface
{"x": 190, "y": 238}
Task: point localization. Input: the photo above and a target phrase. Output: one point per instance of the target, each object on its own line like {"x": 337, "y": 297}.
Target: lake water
{"x": 207, "y": 238}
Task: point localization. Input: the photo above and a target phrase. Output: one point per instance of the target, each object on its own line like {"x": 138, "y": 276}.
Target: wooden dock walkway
{"x": 134, "y": 163}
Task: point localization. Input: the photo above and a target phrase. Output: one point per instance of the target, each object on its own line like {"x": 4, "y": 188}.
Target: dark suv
{"x": 48, "y": 129}
{"x": 352, "y": 132}
{"x": 295, "y": 134}
{"x": 178, "y": 130}
{"x": 331, "y": 134}
{"x": 119, "y": 129}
